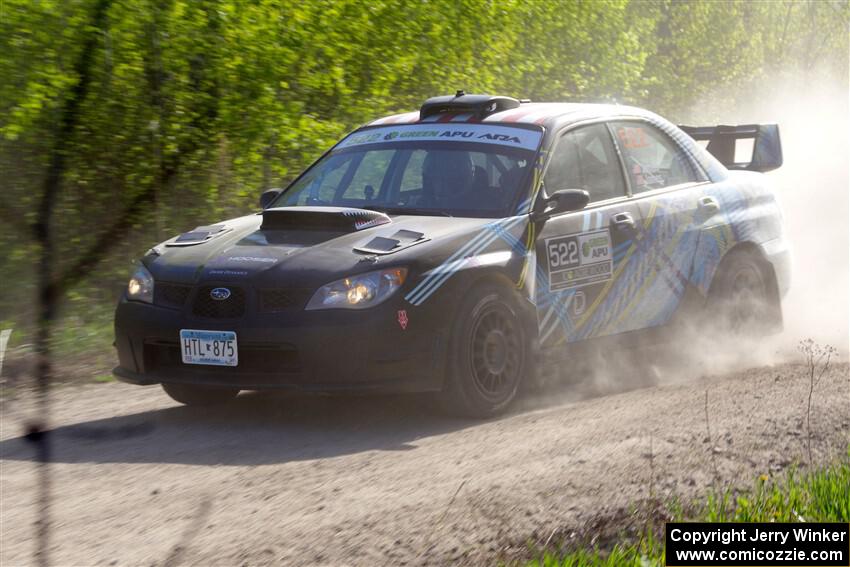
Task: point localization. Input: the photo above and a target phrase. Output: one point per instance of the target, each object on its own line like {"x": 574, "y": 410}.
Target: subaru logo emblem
{"x": 220, "y": 293}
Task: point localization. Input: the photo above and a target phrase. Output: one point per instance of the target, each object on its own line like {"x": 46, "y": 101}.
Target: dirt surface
{"x": 290, "y": 480}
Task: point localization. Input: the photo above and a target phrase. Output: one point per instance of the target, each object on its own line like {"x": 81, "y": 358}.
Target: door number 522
{"x": 563, "y": 253}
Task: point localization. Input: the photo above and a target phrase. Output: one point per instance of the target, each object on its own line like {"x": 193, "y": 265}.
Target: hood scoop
{"x": 388, "y": 244}
{"x": 332, "y": 219}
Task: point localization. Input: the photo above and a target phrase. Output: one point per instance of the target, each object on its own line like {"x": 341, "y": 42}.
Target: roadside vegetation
{"x": 822, "y": 495}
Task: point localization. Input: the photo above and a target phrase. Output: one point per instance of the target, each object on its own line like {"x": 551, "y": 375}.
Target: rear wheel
{"x": 488, "y": 355}
{"x": 739, "y": 296}
{"x": 193, "y": 395}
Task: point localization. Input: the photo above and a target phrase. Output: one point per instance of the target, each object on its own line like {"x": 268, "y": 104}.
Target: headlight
{"x": 359, "y": 292}
{"x": 140, "y": 287}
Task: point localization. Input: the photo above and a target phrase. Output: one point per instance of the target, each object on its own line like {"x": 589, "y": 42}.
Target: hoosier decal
{"x": 580, "y": 259}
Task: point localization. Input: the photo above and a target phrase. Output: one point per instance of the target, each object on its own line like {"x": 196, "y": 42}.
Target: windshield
{"x": 429, "y": 169}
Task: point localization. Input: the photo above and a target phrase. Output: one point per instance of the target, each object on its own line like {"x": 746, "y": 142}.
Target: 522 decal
{"x": 563, "y": 252}
{"x": 580, "y": 259}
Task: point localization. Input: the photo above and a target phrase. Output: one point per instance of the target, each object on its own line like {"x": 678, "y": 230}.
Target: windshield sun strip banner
{"x": 480, "y": 133}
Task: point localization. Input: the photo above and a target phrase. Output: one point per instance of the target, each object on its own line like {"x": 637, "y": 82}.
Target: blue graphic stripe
{"x": 624, "y": 289}
{"x": 524, "y": 206}
{"x": 620, "y": 251}
{"x": 622, "y": 246}
{"x": 440, "y": 274}
{"x": 450, "y": 271}
{"x": 561, "y": 310}
{"x": 512, "y": 240}
{"x": 435, "y": 274}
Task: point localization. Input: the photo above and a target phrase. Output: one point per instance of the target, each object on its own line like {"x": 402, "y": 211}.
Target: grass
{"x": 81, "y": 330}
{"x": 82, "y": 348}
{"x": 648, "y": 552}
{"x": 822, "y": 495}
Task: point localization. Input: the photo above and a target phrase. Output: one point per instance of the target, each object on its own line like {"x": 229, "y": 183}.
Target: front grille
{"x": 257, "y": 359}
{"x": 230, "y": 308}
{"x": 170, "y": 295}
{"x": 278, "y": 300}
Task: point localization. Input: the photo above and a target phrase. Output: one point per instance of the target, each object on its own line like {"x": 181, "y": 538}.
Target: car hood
{"x": 242, "y": 250}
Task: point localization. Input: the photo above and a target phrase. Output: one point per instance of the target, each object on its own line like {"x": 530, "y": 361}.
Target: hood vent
{"x": 388, "y": 244}
{"x": 331, "y": 219}
{"x": 199, "y": 235}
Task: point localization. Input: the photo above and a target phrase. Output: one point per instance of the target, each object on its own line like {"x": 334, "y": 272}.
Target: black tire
{"x": 192, "y": 395}
{"x": 488, "y": 355}
{"x": 739, "y": 299}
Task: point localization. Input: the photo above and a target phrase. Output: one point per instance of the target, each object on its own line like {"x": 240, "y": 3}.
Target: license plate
{"x": 216, "y": 348}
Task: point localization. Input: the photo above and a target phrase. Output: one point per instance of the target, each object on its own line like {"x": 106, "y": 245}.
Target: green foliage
{"x": 819, "y": 496}
{"x": 646, "y": 553}
{"x": 206, "y": 103}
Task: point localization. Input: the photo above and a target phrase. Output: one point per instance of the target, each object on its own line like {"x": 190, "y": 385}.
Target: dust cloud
{"x": 813, "y": 188}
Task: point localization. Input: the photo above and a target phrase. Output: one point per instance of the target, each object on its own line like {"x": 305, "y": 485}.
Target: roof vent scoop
{"x": 479, "y": 105}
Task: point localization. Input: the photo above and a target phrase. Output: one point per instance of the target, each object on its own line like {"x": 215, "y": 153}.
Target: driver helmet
{"x": 445, "y": 175}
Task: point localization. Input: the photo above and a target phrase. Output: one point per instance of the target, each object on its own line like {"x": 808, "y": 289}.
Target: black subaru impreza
{"x": 449, "y": 250}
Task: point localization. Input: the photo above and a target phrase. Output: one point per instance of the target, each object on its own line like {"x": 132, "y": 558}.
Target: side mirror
{"x": 564, "y": 201}
{"x": 268, "y": 196}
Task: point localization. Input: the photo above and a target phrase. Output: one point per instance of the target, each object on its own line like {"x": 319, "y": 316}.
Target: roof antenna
{"x": 459, "y": 93}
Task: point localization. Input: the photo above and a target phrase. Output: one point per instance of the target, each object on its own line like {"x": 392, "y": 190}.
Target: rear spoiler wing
{"x": 750, "y": 147}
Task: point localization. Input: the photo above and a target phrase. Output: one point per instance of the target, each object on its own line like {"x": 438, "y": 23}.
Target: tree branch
{"x": 48, "y": 299}
{"x": 167, "y": 173}
{"x": 105, "y": 242}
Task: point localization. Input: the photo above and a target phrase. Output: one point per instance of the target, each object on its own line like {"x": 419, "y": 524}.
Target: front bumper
{"x": 331, "y": 350}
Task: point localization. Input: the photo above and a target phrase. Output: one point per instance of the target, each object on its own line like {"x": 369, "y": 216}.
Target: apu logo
{"x": 595, "y": 247}
{"x": 455, "y": 134}
{"x": 220, "y": 293}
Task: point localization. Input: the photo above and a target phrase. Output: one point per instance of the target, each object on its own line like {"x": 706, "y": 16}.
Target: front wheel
{"x": 488, "y": 355}
{"x": 192, "y": 395}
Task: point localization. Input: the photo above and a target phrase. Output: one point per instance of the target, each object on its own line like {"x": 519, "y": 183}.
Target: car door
{"x": 667, "y": 185}
{"x": 578, "y": 252}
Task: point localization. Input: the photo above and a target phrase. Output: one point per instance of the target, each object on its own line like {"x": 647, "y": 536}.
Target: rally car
{"x": 452, "y": 249}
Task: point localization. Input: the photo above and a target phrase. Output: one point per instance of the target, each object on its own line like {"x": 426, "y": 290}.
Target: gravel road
{"x": 290, "y": 480}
